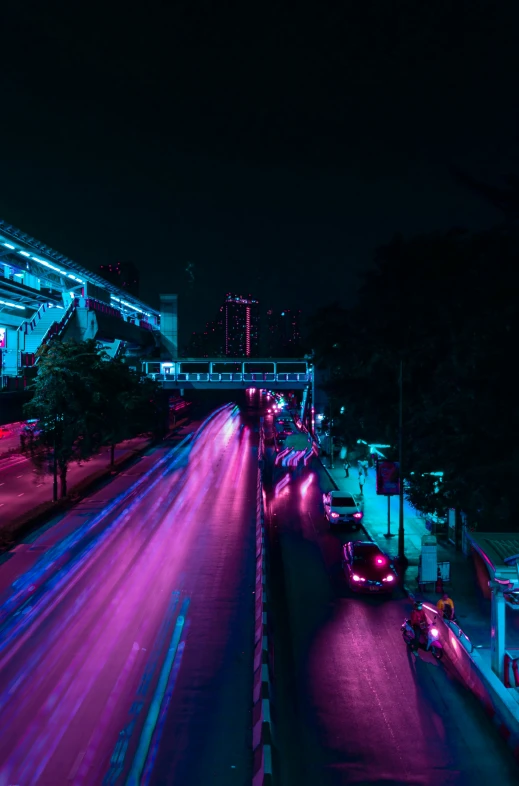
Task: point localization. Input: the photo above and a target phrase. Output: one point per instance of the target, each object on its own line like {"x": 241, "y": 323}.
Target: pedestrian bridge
{"x": 232, "y": 374}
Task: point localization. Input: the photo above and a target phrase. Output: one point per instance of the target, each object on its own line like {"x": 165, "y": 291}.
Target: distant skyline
{"x": 272, "y": 332}
{"x": 269, "y": 155}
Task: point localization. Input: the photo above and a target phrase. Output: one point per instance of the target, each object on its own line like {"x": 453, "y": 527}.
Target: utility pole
{"x": 331, "y": 436}
{"x": 401, "y": 546}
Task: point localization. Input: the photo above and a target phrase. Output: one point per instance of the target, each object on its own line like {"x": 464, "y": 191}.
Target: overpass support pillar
{"x": 169, "y": 324}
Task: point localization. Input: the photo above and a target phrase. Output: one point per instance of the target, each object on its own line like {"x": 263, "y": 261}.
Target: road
{"x": 126, "y": 628}
{"x": 355, "y": 707}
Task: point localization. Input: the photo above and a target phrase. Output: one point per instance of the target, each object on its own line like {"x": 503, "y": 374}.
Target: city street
{"x": 355, "y": 707}
{"x": 126, "y": 627}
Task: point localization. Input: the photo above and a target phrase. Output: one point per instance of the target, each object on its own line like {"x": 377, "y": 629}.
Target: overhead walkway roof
{"x": 59, "y": 273}
{"x": 499, "y": 551}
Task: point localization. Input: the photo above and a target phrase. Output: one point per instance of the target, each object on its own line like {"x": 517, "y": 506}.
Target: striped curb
{"x": 263, "y": 659}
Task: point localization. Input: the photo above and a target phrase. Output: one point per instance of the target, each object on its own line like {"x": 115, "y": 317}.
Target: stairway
{"x": 114, "y": 348}
{"x": 34, "y": 337}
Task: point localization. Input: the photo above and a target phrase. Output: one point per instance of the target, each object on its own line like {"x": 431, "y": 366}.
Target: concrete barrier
{"x": 262, "y": 737}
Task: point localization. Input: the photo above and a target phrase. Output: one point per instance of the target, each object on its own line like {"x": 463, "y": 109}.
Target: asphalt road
{"x": 126, "y": 628}
{"x": 354, "y": 706}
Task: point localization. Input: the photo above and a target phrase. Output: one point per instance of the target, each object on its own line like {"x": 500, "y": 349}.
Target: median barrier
{"x": 499, "y": 702}
{"x": 262, "y": 737}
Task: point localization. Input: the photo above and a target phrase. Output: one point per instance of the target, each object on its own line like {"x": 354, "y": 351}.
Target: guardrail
{"x": 30, "y": 324}
{"x": 58, "y": 327}
{"x": 230, "y": 377}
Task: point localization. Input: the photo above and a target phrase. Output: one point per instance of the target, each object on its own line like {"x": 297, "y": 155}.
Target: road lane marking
{"x": 139, "y": 762}
{"x": 157, "y": 735}
{"x": 21, "y": 495}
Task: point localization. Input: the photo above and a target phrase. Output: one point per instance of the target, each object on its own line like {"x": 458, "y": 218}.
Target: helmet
{"x": 418, "y": 605}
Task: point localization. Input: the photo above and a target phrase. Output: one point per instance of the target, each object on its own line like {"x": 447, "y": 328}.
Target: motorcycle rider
{"x": 418, "y": 623}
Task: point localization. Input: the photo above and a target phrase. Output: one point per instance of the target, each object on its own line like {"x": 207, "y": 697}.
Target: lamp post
{"x": 401, "y": 542}
{"x": 331, "y": 436}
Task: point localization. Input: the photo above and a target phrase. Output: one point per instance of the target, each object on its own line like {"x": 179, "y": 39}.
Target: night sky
{"x": 271, "y": 150}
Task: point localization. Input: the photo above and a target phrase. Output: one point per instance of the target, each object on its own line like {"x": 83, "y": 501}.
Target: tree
{"x": 65, "y": 402}
{"x": 128, "y": 403}
{"x": 444, "y": 304}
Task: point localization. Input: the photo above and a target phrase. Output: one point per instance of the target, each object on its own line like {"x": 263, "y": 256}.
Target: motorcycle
{"x": 428, "y": 639}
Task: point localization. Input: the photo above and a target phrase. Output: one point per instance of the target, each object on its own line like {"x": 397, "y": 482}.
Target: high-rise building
{"x": 123, "y": 274}
{"x": 208, "y": 343}
{"x": 241, "y": 320}
{"x": 283, "y": 333}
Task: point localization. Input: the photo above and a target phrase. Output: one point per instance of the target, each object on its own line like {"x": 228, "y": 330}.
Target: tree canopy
{"x": 444, "y": 305}
{"x": 83, "y": 400}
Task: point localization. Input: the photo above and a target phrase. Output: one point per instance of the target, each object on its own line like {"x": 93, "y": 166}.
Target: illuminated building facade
{"x": 241, "y": 320}
{"x": 123, "y": 274}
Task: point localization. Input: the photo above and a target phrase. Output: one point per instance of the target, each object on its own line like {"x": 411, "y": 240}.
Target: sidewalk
{"x": 469, "y": 577}
{"x": 22, "y": 491}
{"x": 375, "y": 515}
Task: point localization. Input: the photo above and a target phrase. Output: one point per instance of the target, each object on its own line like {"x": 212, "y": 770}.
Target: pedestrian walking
{"x": 362, "y": 480}
{"x": 346, "y": 468}
{"x": 364, "y": 465}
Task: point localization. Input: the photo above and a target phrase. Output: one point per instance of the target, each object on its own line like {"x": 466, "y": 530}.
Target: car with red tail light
{"x": 342, "y": 508}
{"x": 367, "y": 568}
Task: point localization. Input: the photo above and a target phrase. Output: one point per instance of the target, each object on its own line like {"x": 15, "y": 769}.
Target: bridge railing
{"x": 230, "y": 377}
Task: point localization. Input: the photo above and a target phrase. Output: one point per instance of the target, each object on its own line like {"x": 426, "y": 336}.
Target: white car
{"x": 341, "y": 507}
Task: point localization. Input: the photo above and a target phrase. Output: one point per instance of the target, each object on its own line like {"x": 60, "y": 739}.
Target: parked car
{"x": 367, "y": 568}
{"x": 341, "y": 508}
